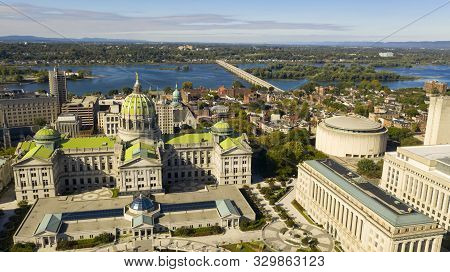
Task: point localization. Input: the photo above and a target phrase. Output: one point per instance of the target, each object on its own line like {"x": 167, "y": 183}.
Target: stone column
{"x": 427, "y": 243}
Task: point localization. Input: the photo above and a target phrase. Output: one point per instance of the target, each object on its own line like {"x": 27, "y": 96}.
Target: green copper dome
{"x": 176, "y": 96}
{"x": 221, "y": 128}
{"x": 46, "y": 133}
{"x": 137, "y": 104}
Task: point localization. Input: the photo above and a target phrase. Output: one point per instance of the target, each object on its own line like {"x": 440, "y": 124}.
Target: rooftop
{"x": 430, "y": 152}
{"x": 87, "y": 142}
{"x": 140, "y": 149}
{"x": 213, "y": 194}
{"x": 353, "y": 123}
{"x": 193, "y": 138}
{"x": 230, "y": 142}
{"x": 66, "y": 205}
{"x": 40, "y": 152}
{"x": 383, "y": 204}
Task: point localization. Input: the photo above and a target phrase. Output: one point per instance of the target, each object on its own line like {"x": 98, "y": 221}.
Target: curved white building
{"x": 351, "y": 136}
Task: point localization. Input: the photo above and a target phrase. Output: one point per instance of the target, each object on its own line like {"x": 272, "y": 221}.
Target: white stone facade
{"x": 346, "y": 142}
{"x": 420, "y": 176}
{"x": 356, "y": 225}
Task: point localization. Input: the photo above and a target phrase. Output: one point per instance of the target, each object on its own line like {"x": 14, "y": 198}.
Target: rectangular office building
{"x": 359, "y": 214}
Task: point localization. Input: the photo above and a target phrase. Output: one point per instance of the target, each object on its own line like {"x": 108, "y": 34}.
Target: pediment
{"x": 140, "y": 162}
{"x": 236, "y": 151}
{"x": 31, "y": 162}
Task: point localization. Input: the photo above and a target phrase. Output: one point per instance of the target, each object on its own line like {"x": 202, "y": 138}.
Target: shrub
{"x": 197, "y": 232}
{"x": 115, "y": 192}
{"x": 247, "y": 225}
{"x": 23, "y": 247}
{"x": 290, "y": 223}
{"x": 100, "y": 239}
{"x": 22, "y": 204}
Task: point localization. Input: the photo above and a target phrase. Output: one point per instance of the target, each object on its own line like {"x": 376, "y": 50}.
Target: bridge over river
{"x": 247, "y": 76}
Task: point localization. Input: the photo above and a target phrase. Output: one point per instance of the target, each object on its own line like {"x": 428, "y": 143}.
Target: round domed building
{"x": 138, "y": 116}
{"x": 351, "y": 136}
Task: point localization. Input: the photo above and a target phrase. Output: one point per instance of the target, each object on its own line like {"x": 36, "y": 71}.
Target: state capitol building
{"x": 139, "y": 158}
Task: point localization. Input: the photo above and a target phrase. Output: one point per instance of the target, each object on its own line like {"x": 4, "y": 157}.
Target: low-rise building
{"x": 76, "y": 217}
{"x": 359, "y": 214}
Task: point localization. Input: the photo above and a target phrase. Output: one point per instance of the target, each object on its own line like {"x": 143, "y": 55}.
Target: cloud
{"x": 84, "y": 23}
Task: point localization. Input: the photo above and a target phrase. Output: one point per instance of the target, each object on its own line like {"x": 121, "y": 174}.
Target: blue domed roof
{"x": 142, "y": 203}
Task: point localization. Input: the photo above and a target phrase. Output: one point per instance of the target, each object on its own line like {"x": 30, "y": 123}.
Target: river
{"x": 159, "y": 76}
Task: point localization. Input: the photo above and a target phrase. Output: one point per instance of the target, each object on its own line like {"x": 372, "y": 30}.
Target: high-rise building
{"x": 420, "y": 176}
{"x": 58, "y": 85}
{"x": 438, "y": 122}
{"x": 361, "y": 215}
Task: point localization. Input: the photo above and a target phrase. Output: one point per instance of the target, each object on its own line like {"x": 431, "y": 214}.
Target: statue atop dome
{"x": 137, "y": 86}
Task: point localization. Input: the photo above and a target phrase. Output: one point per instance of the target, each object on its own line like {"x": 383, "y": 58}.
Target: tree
{"x": 237, "y": 84}
{"x": 410, "y": 141}
{"x": 187, "y": 85}
{"x": 40, "y": 121}
{"x": 397, "y": 134}
{"x": 126, "y": 90}
{"x": 304, "y": 111}
{"x": 369, "y": 168}
{"x": 113, "y": 92}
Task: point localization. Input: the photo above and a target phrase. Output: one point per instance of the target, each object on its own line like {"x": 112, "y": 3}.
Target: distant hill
{"x": 34, "y": 39}
{"x": 416, "y": 45}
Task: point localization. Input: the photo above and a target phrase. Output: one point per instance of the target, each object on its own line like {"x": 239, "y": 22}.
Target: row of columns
{"x": 427, "y": 245}
{"x": 335, "y": 209}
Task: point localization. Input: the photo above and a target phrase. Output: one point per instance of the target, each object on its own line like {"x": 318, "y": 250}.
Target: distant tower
{"x": 438, "y": 122}
{"x": 58, "y": 85}
{"x": 176, "y": 96}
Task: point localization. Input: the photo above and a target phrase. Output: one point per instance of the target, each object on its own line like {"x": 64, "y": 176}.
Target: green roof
{"x": 87, "y": 142}
{"x": 140, "y": 149}
{"x": 39, "y": 152}
{"x": 27, "y": 145}
{"x": 230, "y": 142}
{"x": 222, "y": 125}
{"x": 193, "y": 138}
{"x": 46, "y": 133}
{"x": 381, "y": 209}
{"x": 137, "y": 104}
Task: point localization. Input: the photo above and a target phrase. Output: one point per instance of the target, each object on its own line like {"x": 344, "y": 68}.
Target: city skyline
{"x": 233, "y": 22}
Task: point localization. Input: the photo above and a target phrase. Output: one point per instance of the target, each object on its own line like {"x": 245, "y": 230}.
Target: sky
{"x": 230, "y": 21}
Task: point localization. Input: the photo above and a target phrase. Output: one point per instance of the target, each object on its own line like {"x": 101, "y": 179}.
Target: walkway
{"x": 272, "y": 237}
